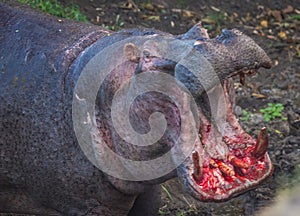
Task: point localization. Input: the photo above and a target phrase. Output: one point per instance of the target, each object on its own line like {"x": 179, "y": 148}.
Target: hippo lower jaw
{"x": 226, "y": 160}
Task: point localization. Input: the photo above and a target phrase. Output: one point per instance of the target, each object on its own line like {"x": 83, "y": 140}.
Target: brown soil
{"x": 272, "y": 24}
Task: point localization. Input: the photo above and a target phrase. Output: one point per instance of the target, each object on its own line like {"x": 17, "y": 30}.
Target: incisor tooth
{"x": 238, "y": 162}
{"x": 226, "y": 169}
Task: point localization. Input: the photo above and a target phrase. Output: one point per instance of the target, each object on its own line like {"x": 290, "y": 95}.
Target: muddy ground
{"x": 272, "y": 24}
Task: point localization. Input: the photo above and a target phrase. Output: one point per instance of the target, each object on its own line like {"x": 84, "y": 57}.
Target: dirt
{"x": 272, "y": 24}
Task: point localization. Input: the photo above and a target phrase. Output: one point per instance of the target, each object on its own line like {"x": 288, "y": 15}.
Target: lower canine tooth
{"x": 197, "y": 168}
{"x": 242, "y": 78}
{"x": 261, "y": 143}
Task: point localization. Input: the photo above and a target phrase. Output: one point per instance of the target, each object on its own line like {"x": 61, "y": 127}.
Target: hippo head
{"x": 225, "y": 160}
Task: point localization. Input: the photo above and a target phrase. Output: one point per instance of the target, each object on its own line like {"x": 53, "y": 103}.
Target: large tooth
{"x": 197, "y": 168}
{"x": 261, "y": 143}
{"x": 242, "y": 78}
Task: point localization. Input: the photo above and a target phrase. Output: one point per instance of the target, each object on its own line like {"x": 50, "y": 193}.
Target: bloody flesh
{"x": 243, "y": 164}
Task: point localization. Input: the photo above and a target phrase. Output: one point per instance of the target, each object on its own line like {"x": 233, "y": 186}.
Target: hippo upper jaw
{"x": 233, "y": 53}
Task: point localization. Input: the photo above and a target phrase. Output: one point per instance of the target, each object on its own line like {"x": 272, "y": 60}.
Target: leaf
{"x": 277, "y": 15}
{"x": 267, "y": 118}
{"x": 264, "y": 23}
{"x": 154, "y": 18}
{"x": 245, "y": 116}
{"x": 277, "y": 114}
{"x": 215, "y": 9}
{"x": 258, "y": 95}
{"x": 295, "y": 16}
{"x": 188, "y": 13}
{"x": 208, "y": 20}
{"x": 277, "y": 131}
{"x": 288, "y": 9}
{"x": 282, "y": 35}
{"x": 167, "y": 192}
{"x": 148, "y": 6}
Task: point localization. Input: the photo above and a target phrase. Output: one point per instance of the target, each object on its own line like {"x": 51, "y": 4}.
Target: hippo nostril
{"x": 146, "y": 53}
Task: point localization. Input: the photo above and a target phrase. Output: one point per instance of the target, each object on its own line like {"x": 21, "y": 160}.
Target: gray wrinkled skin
{"x": 42, "y": 169}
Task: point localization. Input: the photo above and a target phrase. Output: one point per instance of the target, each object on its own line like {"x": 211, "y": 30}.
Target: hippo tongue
{"x": 226, "y": 160}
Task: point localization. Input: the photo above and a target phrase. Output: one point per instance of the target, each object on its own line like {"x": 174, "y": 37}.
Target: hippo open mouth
{"x": 226, "y": 160}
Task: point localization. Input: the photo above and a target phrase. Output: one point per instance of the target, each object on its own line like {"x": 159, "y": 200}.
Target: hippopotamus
{"x": 53, "y": 132}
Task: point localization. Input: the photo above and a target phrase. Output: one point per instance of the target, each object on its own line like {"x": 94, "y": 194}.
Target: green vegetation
{"x": 246, "y": 115}
{"x": 295, "y": 16}
{"x": 214, "y": 20}
{"x": 53, "y": 7}
{"x": 116, "y": 26}
{"x": 167, "y": 192}
{"x": 273, "y": 111}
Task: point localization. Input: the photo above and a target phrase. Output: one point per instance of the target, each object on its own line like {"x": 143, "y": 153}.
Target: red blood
{"x": 208, "y": 128}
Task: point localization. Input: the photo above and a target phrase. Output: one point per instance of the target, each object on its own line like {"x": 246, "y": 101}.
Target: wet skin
{"x": 43, "y": 170}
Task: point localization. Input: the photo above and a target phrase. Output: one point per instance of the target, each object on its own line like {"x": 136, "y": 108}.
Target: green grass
{"x": 167, "y": 192}
{"x": 54, "y": 8}
{"x": 273, "y": 111}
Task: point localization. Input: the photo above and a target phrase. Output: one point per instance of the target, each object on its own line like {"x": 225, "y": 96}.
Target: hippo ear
{"x": 131, "y": 52}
